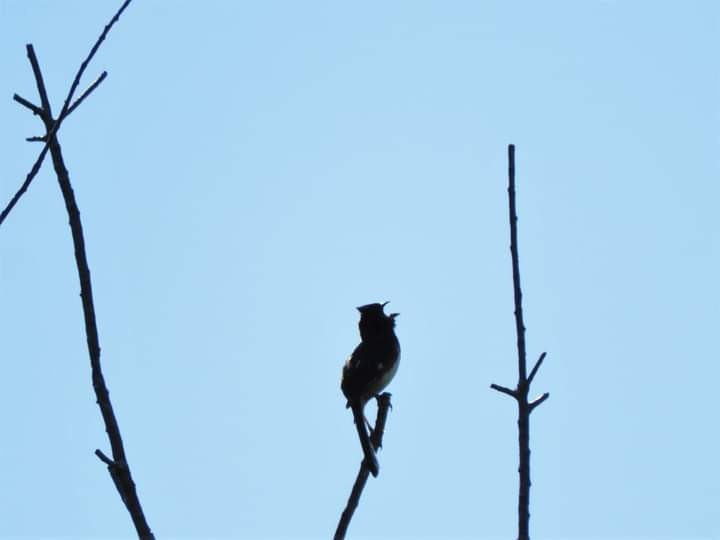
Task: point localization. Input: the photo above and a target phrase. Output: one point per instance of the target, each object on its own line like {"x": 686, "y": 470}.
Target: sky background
{"x": 250, "y": 172}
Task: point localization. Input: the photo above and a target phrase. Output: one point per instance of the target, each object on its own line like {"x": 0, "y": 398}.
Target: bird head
{"x": 373, "y": 319}
{"x": 372, "y": 309}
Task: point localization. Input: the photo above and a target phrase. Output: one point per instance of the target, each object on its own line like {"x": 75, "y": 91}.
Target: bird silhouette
{"x": 370, "y": 368}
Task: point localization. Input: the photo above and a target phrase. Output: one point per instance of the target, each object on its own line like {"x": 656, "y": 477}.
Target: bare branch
{"x": 23, "y": 188}
{"x": 106, "y": 460}
{"x": 86, "y": 62}
{"x": 384, "y": 405}
{"x": 66, "y": 105}
{"x": 86, "y": 93}
{"x": 537, "y": 401}
{"x": 535, "y": 368}
{"x": 39, "y": 80}
{"x": 117, "y": 466}
{"x": 25, "y": 103}
{"x": 120, "y": 475}
{"x": 504, "y": 390}
{"x": 517, "y": 291}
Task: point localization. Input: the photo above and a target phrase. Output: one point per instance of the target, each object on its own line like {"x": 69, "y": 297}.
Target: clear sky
{"x": 250, "y": 172}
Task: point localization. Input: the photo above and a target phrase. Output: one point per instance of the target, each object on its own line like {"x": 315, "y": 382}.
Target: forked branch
{"x": 65, "y": 111}
{"x": 384, "y": 405}
{"x": 117, "y": 465}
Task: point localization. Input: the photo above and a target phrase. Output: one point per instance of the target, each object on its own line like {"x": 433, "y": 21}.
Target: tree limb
{"x": 117, "y": 466}
{"x": 66, "y": 109}
{"x": 384, "y": 405}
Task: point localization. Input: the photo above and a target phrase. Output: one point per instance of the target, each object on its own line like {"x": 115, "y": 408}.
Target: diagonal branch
{"x": 384, "y": 405}
{"x": 91, "y": 54}
{"x": 535, "y": 368}
{"x": 537, "y": 401}
{"x": 39, "y": 111}
{"x": 86, "y": 93}
{"x": 504, "y": 390}
{"x": 119, "y": 470}
{"x": 23, "y": 188}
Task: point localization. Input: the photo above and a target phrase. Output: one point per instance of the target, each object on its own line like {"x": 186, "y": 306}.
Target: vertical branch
{"x": 517, "y": 291}
{"x": 520, "y": 393}
{"x": 384, "y": 405}
{"x": 523, "y": 411}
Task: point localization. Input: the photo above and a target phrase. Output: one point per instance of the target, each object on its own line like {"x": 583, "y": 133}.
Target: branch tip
{"x": 106, "y": 460}
{"x": 38, "y": 78}
{"x": 28, "y": 104}
{"x": 86, "y": 93}
{"x": 537, "y": 401}
{"x": 535, "y": 368}
{"x": 504, "y": 390}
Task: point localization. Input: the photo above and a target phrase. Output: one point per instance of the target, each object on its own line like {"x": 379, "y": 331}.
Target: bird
{"x": 370, "y": 368}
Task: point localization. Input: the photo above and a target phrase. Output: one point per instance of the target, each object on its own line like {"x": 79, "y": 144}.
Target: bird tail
{"x": 370, "y": 459}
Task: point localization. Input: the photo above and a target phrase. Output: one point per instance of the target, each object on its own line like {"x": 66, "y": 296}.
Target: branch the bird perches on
{"x": 384, "y": 405}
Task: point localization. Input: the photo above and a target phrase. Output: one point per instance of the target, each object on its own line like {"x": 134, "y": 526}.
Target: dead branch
{"x": 520, "y": 393}
{"x": 66, "y": 109}
{"x": 117, "y": 465}
{"x": 384, "y": 405}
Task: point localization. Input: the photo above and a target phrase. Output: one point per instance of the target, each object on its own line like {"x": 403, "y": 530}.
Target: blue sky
{"x": 251, "y": 172}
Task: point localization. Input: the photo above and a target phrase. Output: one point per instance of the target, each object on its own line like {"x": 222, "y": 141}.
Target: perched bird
{"x": 370, "y": 369}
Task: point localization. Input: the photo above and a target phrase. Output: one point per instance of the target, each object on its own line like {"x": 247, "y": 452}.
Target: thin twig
{"x": 86, "y": 93}
{"x": 517, "y": 291}
{"x": 537, "y": 401}
{"x": 23, "y": 188}
{"x": 503, "y": 390}
{"x": 44, "y": 100}
{"x": 106, "y": 460}
{"x": 38, "y": 162}
{"x": 384, "y": 405}
{"x": 86, "y": 62}
{"x": 535, "y": 368}
{"x": 25, "y": 103}
{"x": 64, "y": 112}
